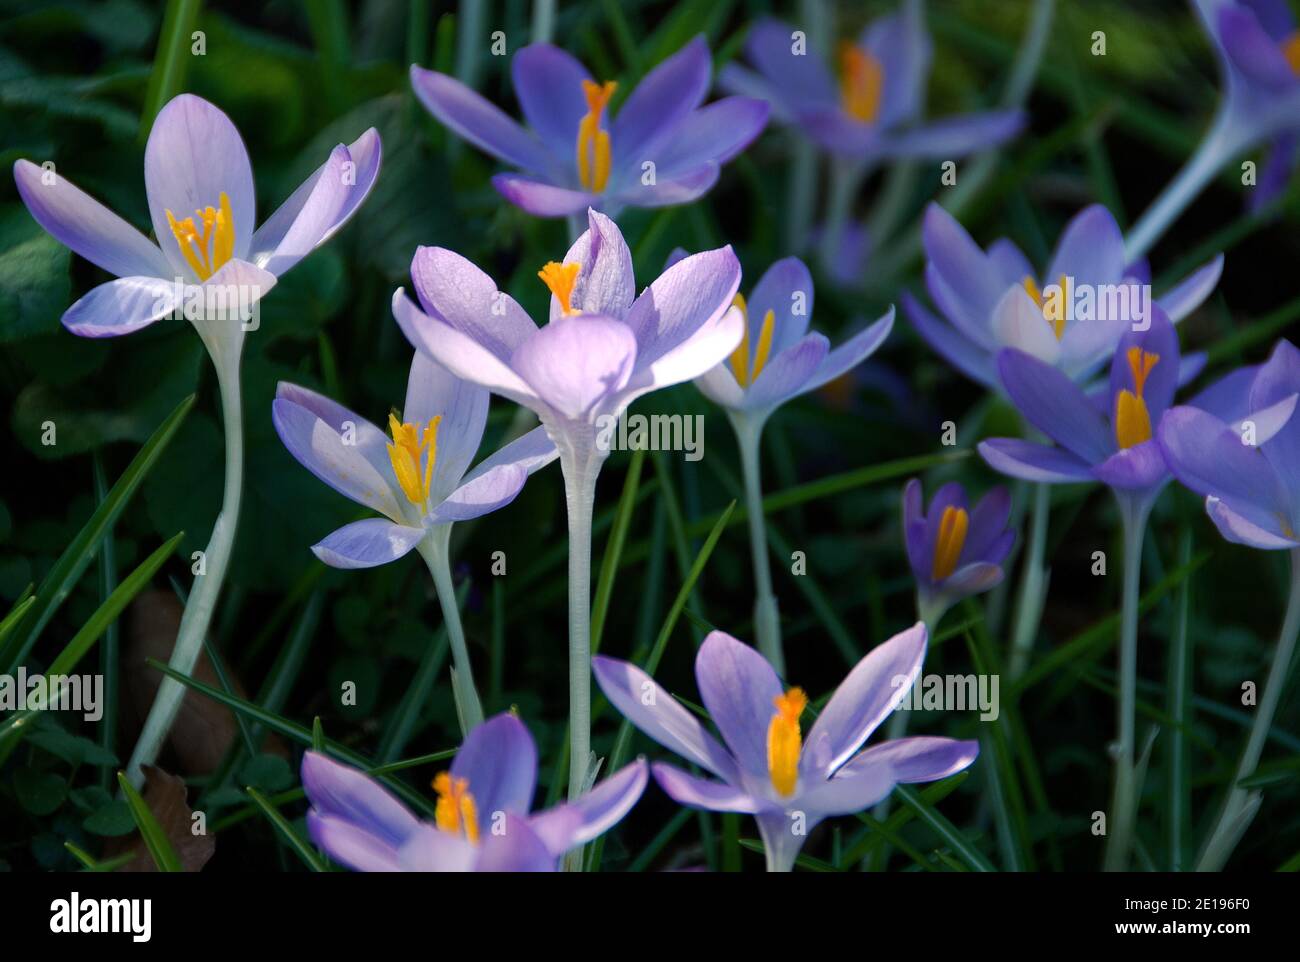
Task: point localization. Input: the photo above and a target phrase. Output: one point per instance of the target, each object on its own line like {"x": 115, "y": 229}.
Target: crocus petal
{"x": 367, "y": 543}
{"x": 707, "y": 347}
{"x": 481, "y": 495}
{"x": 719, "y": 385}
{"x": 696, "y": 792}
{"x": 954, "y": 136}
{"x": 1228, "y": 398}
{"x": 785, "y": 289}
{"x": 1191, "y": 292}
{"x": 1055, "y": 405}
{"x": 679, "y": 302}
{"x": 548, "y": 85}
{"x": 459, "y": 352}
{"x": 788, "y": 373}
{"x": 739, "y": 689}
{"x": 950, "y": 495}
{"x": 312, "y": 431}
{"x": 972, "y": 319}
{"x": 901, "y": 44}
{"x": 593, "y": 814}
{"x": 973, "y": 579}
{"x": 532, "y": 451}
{"x": 848, "y": 792}
{"x": 871, "y": 691}
{"x": 988, "y": 522}
{"x": 1009, "y": 261}
{"x": 320, "y": 206}
{"x": 433, "y": 391}
{"x": 499, "y": 760}
{"x": 923, "y": 758}
{"x": 194, "y": 154}
{"x": 120, "y": 307}
{"x": 575, "y": 363}
{"x": 605, "y": 284}
{"x": 1278, "y": 379}
{"x": 1251, "y": 50}
{"x": 78, "y": 221}
{"x": 920, "y": 553}
{"x": 541, "y": 199}
{"x": 960, "y": 262}
{"x": 453, "y": 290}
{"x": 1158, "y": 339}
{"x": 661, "y": 101}
{"x": 341, "y": 791}
{"x": 429, "y": 849}
{"x": 1034, "y": 462}
{"x": 1135, "y": 468}
{"x": 1090, "y": 250}
{"x": 953, "y": 346}
{"x": 716, "y": 132}
{"x": 1240, "y": 529}
{"x": 1209, "y": 457}
{"x": 516, "y": 849}
{"x": 478, "y": 120}
{"x": 681, "y": 187}
{"x": 350, "y": 845}
{"x": 647, "y": 706}
{"x": 1019, "y": 323}
{"x": 852, "y": 352}
{"x": 800, "y": 78}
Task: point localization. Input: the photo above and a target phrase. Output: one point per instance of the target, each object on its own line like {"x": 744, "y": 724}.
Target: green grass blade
{"x": 945, "y": 829}
{"x": 169, "y": 63}
{"x": 609, "y": 563}
{"x": 155, "y": 839}
{"x": 296, "y": 842}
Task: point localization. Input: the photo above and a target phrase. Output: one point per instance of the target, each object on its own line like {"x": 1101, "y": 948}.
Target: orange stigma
{"x": 861, "y": 82}
{"x": 947, "y": 546}
{"x": 1132, "y": 419}
{"x": 208, "y": 249}
{"x": 593, "y": 142}
{"x": 456, "y": 811}
{"x": 783, "y": 741}
{"x": 560, "y": 278}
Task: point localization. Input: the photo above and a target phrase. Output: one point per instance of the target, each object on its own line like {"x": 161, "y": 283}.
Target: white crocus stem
{"x": 1221, "y": 143}
{"x": 225, "y": 351}
{"x": 580, "y": 464}
{"x": 1123, "y": 809}
{"x": 845, "y": 177}
{"x": 435, "y": 550}
{"x": 1033, "y": 585}
{"x": 767, "y": 619}
{"x": 1234, "y": 818}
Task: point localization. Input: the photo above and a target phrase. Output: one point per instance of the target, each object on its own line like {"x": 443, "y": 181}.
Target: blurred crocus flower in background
{"x": 661, "y": 148}
{"x": 481, "y": 821}
{"x": 210, "y": 266}
{"x": 603, "y": 347}
{"x": 865, "y": 105}
{"x": 777, "y": 360}
{"x": 1257, "y": 47}
{"x": 789, "y": 783}
{"x": 991, "y": 300}
{"x": 417, "y": 479}
{"x": 954, "y": 551}
{"x": 1245, "y": 459}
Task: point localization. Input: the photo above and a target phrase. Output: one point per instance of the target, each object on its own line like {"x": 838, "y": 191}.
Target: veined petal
{"x": 605, "y": 284}
{"x": 848, "y": 791}
{"x": 78, "y": 221}
{"x": 1135, "y": 468}
{"x": 481, "y": 495}
{"x": 923, "y": 758}
{"x": 1254, "y": 531}
{"x": 706, "y": 348}
{"x": 531, "y": 452}
{"x": 575, "y": 363}
{"x": 739, "y": 689}
{"x": 453, "y": 290}
{"x": 785, "y": 289}
{"x": 681, "y": 187}
{"x": 1209, "y": 457}
{"x": 341, "y": 791}
{"x": 351, "y": 845}
{"x": 683, "y": 299}
{"x": 433, "y": 391}
{"x": 541, "y": 199}
{"x": 195, "y": 154}
{"x": 852, "y": 352}
{"x": 716, "y": 132}
{"x": 788, "y": 373}
{"x": 120, "y": 307}
{"x": 367, "y": 543}
{"x": 548, "y": 85}
{"x": 1034, "y": 462}
{"x": 591, "y": 815}
{"x": 478, "y": 120}
{"x": 641, "y": 700}
{"x": 1055, "y": 405}
{"x": 871, "y": 691}
{"x": 661, "y": 101}
{"x": 696, "y": 792}
{"x": 499, "y": 760}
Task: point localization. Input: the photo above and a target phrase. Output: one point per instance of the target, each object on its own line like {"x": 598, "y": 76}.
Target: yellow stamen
{"x": 593, "y": 142}
{"x": 456, "y": 811}
{"x": 783, "y": 741}
{"x": 1132, "y": 419}
{"x": 207, "y": 250}
{"x": 947, "y": 546}
{"x": 412, "y": 455}
{"x": 1031, "y": 288}
{"x": 746, "y": 372}
{"x": 861, "y": 82}
{"x": 1291, "y": 50}
{"x": 560, "y": 278}
{"x": 1053, "y": 310}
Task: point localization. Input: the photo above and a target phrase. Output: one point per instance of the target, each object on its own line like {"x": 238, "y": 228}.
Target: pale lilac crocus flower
{"x": 482, "y": 821}
{"x": 955, "y": 551}
{"x": 417, "y": 480}
{"x": 209, "y": 265}
{"x": 777, "y": 360}
{"x": 603, "y": 347}
{"x": 1245, "y": 459}
{"x": 767, "y": 768}
{"x": 661, "y": 148}
{"x": 1257, "y": 47}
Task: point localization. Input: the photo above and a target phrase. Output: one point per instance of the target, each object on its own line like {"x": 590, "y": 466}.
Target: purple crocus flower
{"x": 954, "y": 551}
{"x": 603, "y": 347}
{"x": 871, "y": 110}
{"x": 200, "y": 187}
{"x": 418, "y": 478}
{"x": 662, "y": 148}
{"x": 778, "y": 359}
{"x": 767, "y": 769}
{"x": 482, "y": 821}
{"x": 1116, "y": 447}
{"x": 1245, "y": 457}
{"x": 991, "y": 300}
